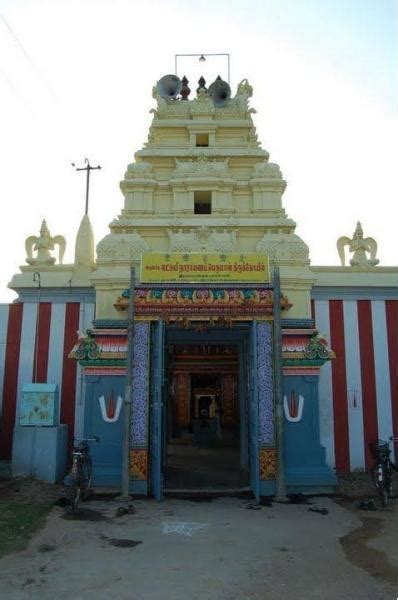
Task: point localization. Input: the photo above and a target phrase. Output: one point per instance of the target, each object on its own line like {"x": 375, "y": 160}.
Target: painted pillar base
{"x": 40, "y": 452}
{"x": 306, "y": 470}
{"x": 107, "y": 453}
{"x": 139, "y": 488}
{"x": 301, "y": 482}
{"x": 267, "y": 488}
{"x": 310, "y": 480}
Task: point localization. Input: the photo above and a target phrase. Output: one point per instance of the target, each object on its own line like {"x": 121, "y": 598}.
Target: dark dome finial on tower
{"x": 185, "y": 90}
{"x": 202, "y": 84}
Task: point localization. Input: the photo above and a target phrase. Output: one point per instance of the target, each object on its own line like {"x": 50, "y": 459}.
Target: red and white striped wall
{"x": 358, "y": 390}
{"x": 51, "y": 332}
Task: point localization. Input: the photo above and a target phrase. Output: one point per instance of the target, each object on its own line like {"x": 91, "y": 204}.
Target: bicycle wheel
{"x": 76, "y": 492}
{"x": 375, "y": 476}
{"x": 384, "y": 496}
{"x": 87, "y": 477}
{"x": 378, "y": 478}
{"x": 389, "y": 481}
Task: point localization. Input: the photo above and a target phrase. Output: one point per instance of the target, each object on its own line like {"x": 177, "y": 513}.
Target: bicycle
{"x": 82, "y": 471}
{"x": 382, "y": 469}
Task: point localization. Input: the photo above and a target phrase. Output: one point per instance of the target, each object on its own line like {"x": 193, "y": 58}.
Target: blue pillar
{"x": 103, "y": 403}
{"x": 305, "y": 457}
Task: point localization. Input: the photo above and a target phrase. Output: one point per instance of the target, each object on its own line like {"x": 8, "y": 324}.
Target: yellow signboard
{"x": 195, "y": 267}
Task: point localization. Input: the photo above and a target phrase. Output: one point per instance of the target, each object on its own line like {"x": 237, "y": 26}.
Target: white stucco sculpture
{"x": 43, "y": 244}
{"x": 360, "y": 247}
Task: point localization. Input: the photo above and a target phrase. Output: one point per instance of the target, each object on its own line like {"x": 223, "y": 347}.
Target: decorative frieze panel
{"x": 268, "y": 463}
{"x": 121, "y": 247}
{"x": 202, "y": 165}
{"x": 284, "y": 247}
{"x": 266, "y": 170}
{"x": 265, "y": 383}
{"x": 215, "y": 302}
{"x": 222, "y": 241}
{"x": 139, "y": 464}
{"x": 140, "y": 388}
{"x": 199, "y": 239}
{"x": 140, "y": 170}
{"x": 183, "y": 241}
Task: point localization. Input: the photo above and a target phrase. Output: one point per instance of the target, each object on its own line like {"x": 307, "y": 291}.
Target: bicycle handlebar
{"x": 95, "y": 438}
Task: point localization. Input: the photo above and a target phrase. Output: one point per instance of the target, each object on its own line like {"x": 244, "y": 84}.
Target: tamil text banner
{"x": 204, "y": 268}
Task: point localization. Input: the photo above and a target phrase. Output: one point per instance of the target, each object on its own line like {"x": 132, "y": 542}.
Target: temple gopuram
{"x": 203, "y": 225}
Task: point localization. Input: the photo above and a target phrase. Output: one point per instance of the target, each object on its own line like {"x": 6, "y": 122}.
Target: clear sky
{"x": 76, "y": 79}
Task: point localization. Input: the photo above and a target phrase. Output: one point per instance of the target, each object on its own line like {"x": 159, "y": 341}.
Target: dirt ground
{"x": 224, "y": 549}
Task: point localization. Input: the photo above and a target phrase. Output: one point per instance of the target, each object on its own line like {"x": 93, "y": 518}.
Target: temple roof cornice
{"x": 179, "y": 152}
{"x": 202, "y": 124}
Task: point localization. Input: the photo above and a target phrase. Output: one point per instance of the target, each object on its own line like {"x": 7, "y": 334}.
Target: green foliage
{"x": 18, "y": 522}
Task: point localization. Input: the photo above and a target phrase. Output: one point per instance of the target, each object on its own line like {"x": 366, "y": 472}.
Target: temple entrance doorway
{"x": 206, "y": 440}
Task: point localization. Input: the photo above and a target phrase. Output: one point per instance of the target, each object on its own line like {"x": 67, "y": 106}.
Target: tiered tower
{"x": 202, "y": 182}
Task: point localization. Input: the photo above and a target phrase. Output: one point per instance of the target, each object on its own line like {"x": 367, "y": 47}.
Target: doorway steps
{"x": 207, "y": 494}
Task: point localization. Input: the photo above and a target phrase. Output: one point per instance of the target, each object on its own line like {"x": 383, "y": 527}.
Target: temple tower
{"x": 202, "y": 182}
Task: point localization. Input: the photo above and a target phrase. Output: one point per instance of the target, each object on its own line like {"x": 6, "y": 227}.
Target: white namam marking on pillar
{"x": 298, "y": 410}
{"x": 326, "y": 415}
{"x": 105, "y": 409}
{"x": 382, "y": 369}
{"x": 354, "y": 385}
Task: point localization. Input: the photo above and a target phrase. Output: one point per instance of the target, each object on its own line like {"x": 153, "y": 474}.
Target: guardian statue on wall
{"x": 360, "y": 247}
{"x": 43, "y": 244}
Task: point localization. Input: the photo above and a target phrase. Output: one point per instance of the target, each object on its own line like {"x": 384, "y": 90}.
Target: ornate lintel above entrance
{"x": 179, "y": 301}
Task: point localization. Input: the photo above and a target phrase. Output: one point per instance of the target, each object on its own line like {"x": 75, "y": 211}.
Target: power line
{"x": 28, "y": 58}
{"x": 17, "y": 92}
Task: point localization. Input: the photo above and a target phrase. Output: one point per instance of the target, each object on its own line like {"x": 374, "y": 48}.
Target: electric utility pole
{"x": 278, "y": 370}
{"x": 128, "y": 393}
{"x": 87, "y": 168}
